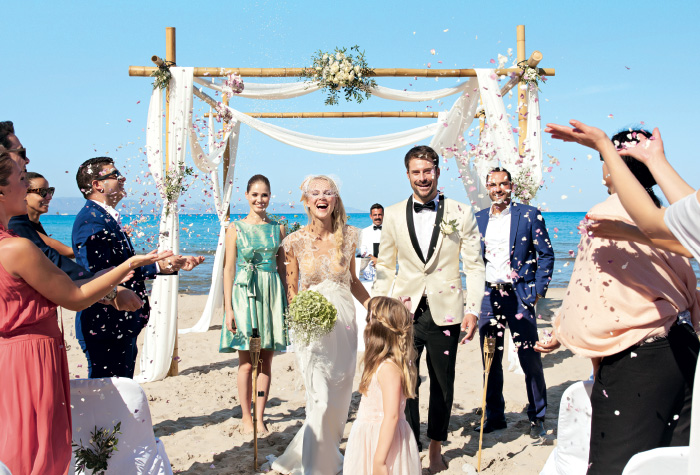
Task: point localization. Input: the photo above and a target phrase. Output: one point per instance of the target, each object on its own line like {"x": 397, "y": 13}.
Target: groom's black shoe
{"x": 537, "y": 429}
{"x": 491, "y": 426}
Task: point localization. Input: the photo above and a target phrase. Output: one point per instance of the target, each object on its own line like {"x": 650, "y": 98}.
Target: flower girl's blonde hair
{"x": 389, "y": 335}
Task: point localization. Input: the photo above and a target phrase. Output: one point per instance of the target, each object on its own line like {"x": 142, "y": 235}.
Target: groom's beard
{"x": 425, "y": 195}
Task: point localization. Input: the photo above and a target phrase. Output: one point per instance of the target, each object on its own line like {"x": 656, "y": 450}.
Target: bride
{"x": 320, "y": 257}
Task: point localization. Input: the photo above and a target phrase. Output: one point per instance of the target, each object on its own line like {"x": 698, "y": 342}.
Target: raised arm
{"x": 651, "y": 153}
{"x": 620, "y": 231}
{"x": 633, "y": 196}
{"x": 21, "y": 258}
{"x": 229, "y": 275}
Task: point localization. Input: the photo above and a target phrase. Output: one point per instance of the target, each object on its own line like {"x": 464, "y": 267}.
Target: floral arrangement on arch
{"x": 531, "y": 76}
{"x": 232, "y": 85}
{"x": 524, "y": 186}
{"x": 340, "y": 70}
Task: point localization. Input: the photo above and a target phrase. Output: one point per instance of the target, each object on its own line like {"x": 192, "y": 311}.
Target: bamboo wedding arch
{"x": 213, "y": 72}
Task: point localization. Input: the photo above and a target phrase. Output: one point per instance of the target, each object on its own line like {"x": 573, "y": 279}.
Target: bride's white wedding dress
{"x": 328, "y": 364}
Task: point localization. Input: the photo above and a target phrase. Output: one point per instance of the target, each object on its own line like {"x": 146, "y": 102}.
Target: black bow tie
{"x": 377, "y": 227}
{"x": 418, "y": 207}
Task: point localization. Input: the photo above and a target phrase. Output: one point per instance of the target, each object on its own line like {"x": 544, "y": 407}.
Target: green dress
{"x": 257, "y": 290}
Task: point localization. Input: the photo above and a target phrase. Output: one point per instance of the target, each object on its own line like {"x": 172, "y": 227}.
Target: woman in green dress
{"x": 254, "y": 296}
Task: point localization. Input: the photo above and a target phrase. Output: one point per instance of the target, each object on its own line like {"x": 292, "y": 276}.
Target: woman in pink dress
{"x": 381, "y": 441}
{"x": 35, "y": 418}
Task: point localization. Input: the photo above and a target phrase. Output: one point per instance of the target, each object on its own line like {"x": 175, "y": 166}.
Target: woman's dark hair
{"x": 258, "y": 178}
{"x": 628, "y": 138}
{"x": 34, "y": 175}
{"x": 6, "y": 168}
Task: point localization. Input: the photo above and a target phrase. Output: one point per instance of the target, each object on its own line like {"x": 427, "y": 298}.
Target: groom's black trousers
{"x": 440, "y": 343}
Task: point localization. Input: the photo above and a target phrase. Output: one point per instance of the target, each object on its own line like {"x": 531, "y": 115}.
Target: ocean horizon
{"x": 199, "y": 235}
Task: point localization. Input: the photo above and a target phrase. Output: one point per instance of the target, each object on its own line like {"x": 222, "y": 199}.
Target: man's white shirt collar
{"x": 112, "y": 212}
{"x": 505, "y": 212}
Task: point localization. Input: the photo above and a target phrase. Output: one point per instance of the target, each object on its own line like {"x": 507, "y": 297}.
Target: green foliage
{"x": 162, "y": 75}
{"x": 310, "y": 316}
{"x": 337, "y": 70}
{"x": 175, "y": 185}
{"x": 96, "y": 455}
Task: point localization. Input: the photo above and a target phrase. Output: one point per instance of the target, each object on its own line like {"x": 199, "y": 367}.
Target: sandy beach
{"x": 197, "y": 414}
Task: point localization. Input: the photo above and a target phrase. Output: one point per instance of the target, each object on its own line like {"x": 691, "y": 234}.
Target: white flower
{"x": 357, "y": 70}
{"x": 338, "y": 56}
{"x": 448, "y": 227}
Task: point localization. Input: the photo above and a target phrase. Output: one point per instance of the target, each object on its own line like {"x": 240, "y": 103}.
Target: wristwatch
{"x": 111, "y": 295}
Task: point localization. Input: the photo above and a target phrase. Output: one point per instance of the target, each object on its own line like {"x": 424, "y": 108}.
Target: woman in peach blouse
{"x": 633, "y": 309}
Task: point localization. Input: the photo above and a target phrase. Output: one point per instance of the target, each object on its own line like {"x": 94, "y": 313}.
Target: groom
{"x": 426, "y": 235}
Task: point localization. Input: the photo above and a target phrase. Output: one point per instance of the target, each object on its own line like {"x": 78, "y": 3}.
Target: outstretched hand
{"x": 152, "y": 257}
{"x": 547, "y": 346}
{"x": 580, "y": 133}
{"x": 646, "y": 150}
{"x": 191, "y": 262}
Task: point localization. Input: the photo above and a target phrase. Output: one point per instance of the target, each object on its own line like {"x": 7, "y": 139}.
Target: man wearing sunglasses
{"x": 107, "y": 336}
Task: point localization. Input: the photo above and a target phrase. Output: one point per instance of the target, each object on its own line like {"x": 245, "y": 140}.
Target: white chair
{"x": 102, "y": 403}
{"x": 570, "y": 456}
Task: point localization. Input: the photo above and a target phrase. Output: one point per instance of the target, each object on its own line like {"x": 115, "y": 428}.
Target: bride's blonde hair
{"x": 389, "y": 335}
{"x": 338, "y": 217}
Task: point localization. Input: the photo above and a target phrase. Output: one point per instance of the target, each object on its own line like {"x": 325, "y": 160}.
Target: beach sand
{"x": 197, "y": 415}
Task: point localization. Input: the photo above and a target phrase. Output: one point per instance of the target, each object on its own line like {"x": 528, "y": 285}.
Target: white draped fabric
{"x": 296, "y": 89}
{"x": 161, "y": 330}
{"x": 209, "y": 163}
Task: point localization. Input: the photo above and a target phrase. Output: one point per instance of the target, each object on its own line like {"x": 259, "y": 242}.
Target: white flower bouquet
{"x": 339, "y": 70}
{"x": 310, "y": 316}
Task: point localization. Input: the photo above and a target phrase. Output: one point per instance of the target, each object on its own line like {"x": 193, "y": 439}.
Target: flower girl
{"x": 381, "y": 441}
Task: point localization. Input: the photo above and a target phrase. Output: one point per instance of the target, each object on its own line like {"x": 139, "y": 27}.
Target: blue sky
{"x": 65, "y": 80}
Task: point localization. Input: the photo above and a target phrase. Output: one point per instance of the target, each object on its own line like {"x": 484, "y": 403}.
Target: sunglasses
{"x": 115, "y": 174}
{"x": 22, "y": 152}
{"x": 43, "y": 192}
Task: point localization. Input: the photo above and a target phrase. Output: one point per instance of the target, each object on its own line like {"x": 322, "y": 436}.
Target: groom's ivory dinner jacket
{"x": 437, "y": 274}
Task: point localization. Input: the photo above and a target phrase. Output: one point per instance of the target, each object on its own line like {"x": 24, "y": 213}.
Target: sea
{"x": 199, "y": 234}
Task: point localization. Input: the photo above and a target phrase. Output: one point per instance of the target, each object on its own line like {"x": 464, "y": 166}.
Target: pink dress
{"x": 403, "y": 458}
{"x": 35, "y": 418}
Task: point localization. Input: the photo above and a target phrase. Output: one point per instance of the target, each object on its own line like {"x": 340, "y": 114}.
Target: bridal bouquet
{"x": 310, "y": 316}
{"x": 336, "y": 70}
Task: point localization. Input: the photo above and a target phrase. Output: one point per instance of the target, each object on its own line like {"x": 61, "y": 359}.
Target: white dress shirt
{"x": 496, "y": 247}
{"x": 423, "y": 225}
{"x": 370, "y": 236}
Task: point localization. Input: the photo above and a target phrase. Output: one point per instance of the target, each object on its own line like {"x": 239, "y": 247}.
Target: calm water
{"x": 199, "y": 235}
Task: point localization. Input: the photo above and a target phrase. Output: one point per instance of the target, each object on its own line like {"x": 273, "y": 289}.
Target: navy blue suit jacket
{"x": 99, "y": 243}
{"x": 22, "y": 226}
{"x": 531, "y": 254}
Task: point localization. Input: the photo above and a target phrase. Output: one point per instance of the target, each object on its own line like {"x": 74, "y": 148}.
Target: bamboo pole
{"x": 522, "y": 106}
{"x": 145, "y": 71}
{"x": 227, "y": 164}
{"x": 170, "y": 57}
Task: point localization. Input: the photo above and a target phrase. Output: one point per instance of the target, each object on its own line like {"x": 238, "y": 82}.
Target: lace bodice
{"x": 317, "y": 265}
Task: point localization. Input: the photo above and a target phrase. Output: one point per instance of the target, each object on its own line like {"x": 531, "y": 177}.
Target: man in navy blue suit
{"x": 107, "y": 335}
{"x": 519, "y": 262}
